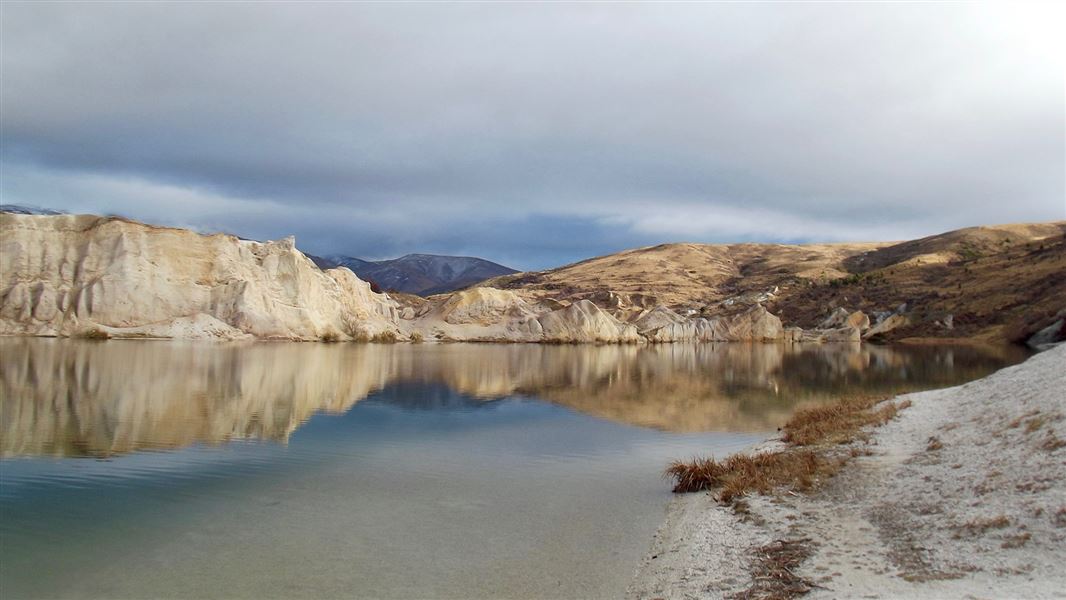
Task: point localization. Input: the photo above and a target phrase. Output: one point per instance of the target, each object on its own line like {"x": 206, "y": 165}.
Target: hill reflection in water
{"x": 86, "y": 398}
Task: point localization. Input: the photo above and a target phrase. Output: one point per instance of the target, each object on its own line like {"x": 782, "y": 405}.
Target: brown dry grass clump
{"x": 1052, "y": 443}
{"x": 978, "y": 527}
{"x": 799, "y": 466}
{"x": 695, "y": 475}
{"x": 840, "y": 422}
{"x": 740, "y": 474}
{"x": 1016, "y": 541}
{"x": 774, "y": 572}
{"x": 811, "y": 455}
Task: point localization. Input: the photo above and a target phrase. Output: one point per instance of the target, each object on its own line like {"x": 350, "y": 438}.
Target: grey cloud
{"x": 437, "y": 127}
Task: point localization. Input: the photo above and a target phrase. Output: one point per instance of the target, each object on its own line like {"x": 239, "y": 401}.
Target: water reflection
{"x": 84, "y": 398}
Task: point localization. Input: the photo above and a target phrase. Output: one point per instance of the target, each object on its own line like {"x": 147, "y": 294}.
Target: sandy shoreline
{"x": 962, "y": 495}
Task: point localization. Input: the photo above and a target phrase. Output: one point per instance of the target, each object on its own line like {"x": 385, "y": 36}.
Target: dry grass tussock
{"x": 981, "y": 526}
{"x": 773, "y": 574}
{"x": 740, "y": 474}
{"x": 841, "y": 422}
{"x": 811, "y": 436}
{"x": 805, "y": 460}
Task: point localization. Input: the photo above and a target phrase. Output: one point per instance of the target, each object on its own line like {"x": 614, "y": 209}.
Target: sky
{"x": 537, "y": 134}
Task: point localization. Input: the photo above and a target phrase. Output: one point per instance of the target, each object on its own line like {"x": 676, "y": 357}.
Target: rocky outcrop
{"x": 483, "y": 306}
{"x": 756, "y": 325}
{"x": 1051, "y": 335}
{"x": 841, "y": 325}
{"x": 842, "y": 317}
{"x": 837, "y": 335}
{"x": 623, "y": 305}
{"x": 664, "y": 325}
{"x": 486, "y": 314}
{"x": 835, "y": 319}
{"x": 96, "y": 276}
{"x": 893, "y": 321}
{"x": 582, "y": 321}
{"x": 858, "y": 320}
{"x": 492, "y": 315}
{"x": 87, "y": 276}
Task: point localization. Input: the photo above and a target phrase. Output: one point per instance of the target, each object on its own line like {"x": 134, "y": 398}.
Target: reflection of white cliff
{"x": 71, "y": 398}
{"x": 97, "y": 398}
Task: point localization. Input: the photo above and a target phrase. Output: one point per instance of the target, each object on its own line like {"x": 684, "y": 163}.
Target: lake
{"x": 142, "y": 469}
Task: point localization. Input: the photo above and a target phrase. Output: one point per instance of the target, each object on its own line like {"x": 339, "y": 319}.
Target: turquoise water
{"x": 167, "y": 469}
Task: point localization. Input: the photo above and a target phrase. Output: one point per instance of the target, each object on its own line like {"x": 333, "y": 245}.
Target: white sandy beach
{"x": 963, "y": 495}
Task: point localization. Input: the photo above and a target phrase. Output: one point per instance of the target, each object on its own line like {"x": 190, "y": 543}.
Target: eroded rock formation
{"x": 88, "y": 276}
{"x": 96, "y": 276}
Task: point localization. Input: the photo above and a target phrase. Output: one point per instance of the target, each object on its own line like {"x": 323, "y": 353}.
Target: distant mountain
{"x": 422, "y": 274}
{"x": 336, "y": 260}
{"x": 19, "y": 209}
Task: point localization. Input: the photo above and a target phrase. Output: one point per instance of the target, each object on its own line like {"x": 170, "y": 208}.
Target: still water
{"x": 164, "y": 469}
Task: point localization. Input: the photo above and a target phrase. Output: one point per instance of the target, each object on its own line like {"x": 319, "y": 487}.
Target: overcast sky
{"x": 537, "y": 134}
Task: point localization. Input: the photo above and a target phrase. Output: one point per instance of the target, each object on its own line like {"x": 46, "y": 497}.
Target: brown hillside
{"x": 686, "y": 275}
{"x": 998, "y": 283}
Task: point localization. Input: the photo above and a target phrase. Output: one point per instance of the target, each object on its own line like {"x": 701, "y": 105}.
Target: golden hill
{"x": 997, "y": 282}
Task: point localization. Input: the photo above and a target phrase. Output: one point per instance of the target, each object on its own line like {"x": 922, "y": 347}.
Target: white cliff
{"x": 89, "y": 276}
{"x": 97, "y": 276}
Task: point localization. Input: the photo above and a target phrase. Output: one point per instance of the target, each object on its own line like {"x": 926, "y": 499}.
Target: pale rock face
{"x": 664, "y": 325}
{"x": 548, "y": 305}
{"x": 483, "y": 306}
{"x": 702, "y": 330}
{"x": 891, "y": 322}
{"x": 625, "y": 306}
{"x": 196, "y": 327}
{"x": 583, "y": 321}
{"x": 756, "y": 325}
{"x": 608, "y": 300}
{"x": 489, "y": 314}
{"x": 839, "y": 334}
{"x": 478, "y": 314}
{"x": 842, "y": 318}
{"x": 1053, "y": 334}
{"x": 837, "y": 318}
{"x": 69, "y": 274}
{"x": 839, "y": 326}
{"x": 657, "y": 318}
{"x": 859, "y": 320}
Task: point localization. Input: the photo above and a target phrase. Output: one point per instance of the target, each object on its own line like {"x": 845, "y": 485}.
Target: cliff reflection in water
{"x": 85, "y": 398}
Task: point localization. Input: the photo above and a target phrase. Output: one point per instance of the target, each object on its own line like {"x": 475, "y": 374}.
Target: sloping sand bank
{"x": 962, "y": 496}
